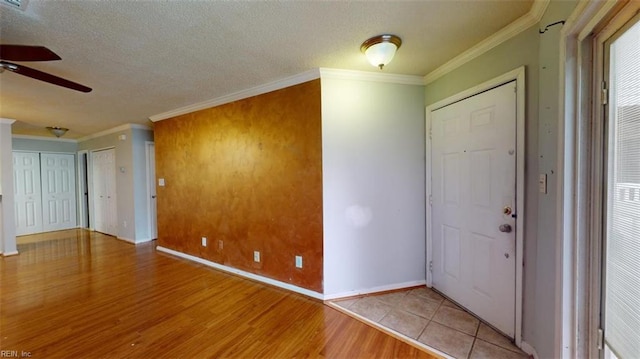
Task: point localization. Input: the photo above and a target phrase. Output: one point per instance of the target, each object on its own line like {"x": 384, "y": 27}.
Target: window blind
{"x": 622, "y": 268}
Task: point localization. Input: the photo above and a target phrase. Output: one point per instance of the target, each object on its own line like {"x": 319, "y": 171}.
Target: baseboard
{"x": 9, "y": 254}
{"x": 126, "y": 239}
{"x": 132, "y": 241}
{"x": 276, "y": 283}
{"x": 527, "y": 348}
{"x": 144, "y": 240}
{"x": 382, "y": 288}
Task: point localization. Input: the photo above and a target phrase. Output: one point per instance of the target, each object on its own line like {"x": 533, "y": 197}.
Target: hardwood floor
{"x": 78, "y": 294}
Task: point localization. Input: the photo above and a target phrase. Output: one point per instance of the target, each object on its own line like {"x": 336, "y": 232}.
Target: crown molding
{"x": 254, "y": 91}
{"x": 291, "y": 81}
{"x": 519, "y": 25}
{"x": 44, "y": 138}
{"x": 6, "y": 121}
{"x": 371, "y": 76}
{"x": 120, "y": 128}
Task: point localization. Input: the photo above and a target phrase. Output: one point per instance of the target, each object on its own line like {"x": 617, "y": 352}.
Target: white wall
{"x": 7, "y": 216}
{"x": 374, "y": 185}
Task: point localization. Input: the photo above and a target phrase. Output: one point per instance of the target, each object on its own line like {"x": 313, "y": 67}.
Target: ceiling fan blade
{"x": 27, "y": 53}
{"x": 43, "y": 76}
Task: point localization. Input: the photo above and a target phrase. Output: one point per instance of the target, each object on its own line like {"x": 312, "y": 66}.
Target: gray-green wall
{"x": 44, "y": 145}
{"x": 130, "y": 170}
{"x": 539, "y": 53}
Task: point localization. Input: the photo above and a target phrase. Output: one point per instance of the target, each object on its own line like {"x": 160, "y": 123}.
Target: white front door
{"x": 58, "y": 191}
{"x": 28, "y": 200}
{"x": 473, "y": 159}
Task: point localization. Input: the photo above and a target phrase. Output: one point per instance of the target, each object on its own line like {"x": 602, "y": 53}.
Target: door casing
{"x": 519, "y": 76}
{"x": 152, "y": 222}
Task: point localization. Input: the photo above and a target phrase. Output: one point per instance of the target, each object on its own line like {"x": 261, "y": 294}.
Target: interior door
{"x": 621, "y": 285}
{"x": 98, "y": 189}
{"x": 58, "y": 191}
{"x": 104, "y": 190}
{"x": 28, "y": 199}
{"x": 473, "y": 159}
{"x": 151, "y": 183}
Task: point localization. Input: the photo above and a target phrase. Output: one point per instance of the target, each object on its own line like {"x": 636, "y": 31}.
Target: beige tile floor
{"x": 424, "y": 315}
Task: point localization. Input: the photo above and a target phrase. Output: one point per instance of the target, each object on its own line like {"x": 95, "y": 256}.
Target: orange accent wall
{"x": 248, "y": 173}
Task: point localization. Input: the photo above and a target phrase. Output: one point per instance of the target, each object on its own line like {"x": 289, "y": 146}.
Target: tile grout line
{"x": 475, "y": 338}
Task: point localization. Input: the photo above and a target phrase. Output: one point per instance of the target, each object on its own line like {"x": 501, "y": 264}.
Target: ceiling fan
{"x": 34, "y": 53}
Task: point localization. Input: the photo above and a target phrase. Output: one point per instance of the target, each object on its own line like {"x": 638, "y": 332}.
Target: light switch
{"x": 542, "y": 183}
{"x": 161, "y": 182}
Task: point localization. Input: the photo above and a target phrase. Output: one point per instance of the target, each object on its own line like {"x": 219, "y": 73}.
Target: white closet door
{"x": 28, "y": 201}
{"x": 110, "y": 179}
{"x": 104, "y": 192}
{"x": 58, "y": 191}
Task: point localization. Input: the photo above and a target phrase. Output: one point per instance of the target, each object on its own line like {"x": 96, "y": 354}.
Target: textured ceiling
{"x": 147, "y": 57}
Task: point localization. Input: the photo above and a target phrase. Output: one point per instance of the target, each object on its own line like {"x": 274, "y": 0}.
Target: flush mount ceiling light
{"x": 57, "y": 131}
{"x": 380, "y": 49}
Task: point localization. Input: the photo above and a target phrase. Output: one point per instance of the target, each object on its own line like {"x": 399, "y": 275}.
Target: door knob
{"x": 507, "y": 210}
{"x": 506, "y": 228}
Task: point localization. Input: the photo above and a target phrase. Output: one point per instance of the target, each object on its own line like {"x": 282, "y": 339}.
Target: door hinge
{"x": 430, "y": 133}
{"x": 430, "y": 200}
{"x": 430, "y": 266}
{"x": 605, "y": 93}
{"x": 600, "y": 339}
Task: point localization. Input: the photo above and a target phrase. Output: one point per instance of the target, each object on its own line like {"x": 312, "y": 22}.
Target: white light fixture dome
{"x": 57, "y": 131}
{"x": 381, "y": 49}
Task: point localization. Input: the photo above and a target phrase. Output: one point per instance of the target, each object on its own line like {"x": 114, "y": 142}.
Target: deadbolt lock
{"x": 507, "y": 210}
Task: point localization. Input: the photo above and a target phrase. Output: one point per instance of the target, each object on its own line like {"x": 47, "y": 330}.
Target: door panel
{"x": 58, "y": 191}
{"x": 473, "y": 179}
{"x": 28, "y": 201}
{"x": 104, "y": 191}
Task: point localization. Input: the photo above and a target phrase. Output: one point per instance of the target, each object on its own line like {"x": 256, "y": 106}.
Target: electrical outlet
{"x": 220, "y": 244}
{"x": 124, "y": 224}
{"x": 204, "y": 241}
{"x": 298, "y": 261}
{"x": 256, "y": 256}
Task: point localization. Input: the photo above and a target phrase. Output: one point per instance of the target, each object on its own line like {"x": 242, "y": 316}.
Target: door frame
{"x": 580, "y": 144}
{"x": 82, "y": 172}
{"x": 517, "y": 75}
{"x": 147, "y": 145}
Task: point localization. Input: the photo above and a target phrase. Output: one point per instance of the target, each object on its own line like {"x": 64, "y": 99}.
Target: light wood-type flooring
{"x": 80, "y": 294}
